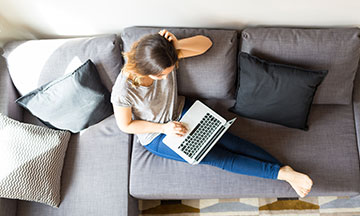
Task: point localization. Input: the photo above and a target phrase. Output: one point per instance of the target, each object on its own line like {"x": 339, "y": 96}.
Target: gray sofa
{"x": 106, "y": 171}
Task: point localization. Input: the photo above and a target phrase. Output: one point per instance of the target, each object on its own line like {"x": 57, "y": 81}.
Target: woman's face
{"x": 163, "y": 74}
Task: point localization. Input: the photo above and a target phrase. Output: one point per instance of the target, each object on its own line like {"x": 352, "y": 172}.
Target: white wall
{"x": 65, "y": 18}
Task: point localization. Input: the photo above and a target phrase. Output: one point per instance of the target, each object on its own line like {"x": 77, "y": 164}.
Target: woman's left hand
{"x": 169, "y": 36}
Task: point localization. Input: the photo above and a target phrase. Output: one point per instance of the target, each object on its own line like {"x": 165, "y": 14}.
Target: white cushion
{"x": 34, "y": 63}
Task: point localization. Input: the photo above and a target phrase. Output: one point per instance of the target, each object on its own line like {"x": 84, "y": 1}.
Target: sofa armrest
{"x": 8, "y": 93}
{"x": 356, "y": 106}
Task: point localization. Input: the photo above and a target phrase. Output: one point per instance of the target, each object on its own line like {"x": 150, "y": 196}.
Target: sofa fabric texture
{"x": 210, "y": 75}
{"x": 8, "y": 207}
{"x": 8, "y": 93}
{"x": 72, "y": 102}
{"x": 323, "y": 152}
{"x": 32, "y": 159}
{"x": 334, "y": 49}
{"x": 356, "y": 107}
{"x": 275, "y": 93}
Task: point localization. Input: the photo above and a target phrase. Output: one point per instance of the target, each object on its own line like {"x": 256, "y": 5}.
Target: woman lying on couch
{"x": 149, "y": 74}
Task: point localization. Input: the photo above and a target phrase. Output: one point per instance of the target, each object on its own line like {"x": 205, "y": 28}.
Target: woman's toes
{"x": 306, "y": 192}
{"x": 306, "y": 189}
{"x": 300, "y": 192}
{"x": 303, "y": 191}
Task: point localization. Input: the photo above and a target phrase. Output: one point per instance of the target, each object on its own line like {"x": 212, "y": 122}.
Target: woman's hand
{"x": 174, "y": 128}
{"x": 188, "y": 47}
{"x": 170, "y": 37}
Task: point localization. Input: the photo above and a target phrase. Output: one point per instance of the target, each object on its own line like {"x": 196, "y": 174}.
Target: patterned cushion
{"x": 210, "y": 75}
{"x": 31, "y": 161}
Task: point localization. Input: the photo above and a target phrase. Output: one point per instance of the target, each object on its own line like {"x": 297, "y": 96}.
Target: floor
{"x": 322, "y": 206}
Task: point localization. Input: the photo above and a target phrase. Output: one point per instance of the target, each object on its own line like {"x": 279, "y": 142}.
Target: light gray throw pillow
{"x": 31, "y": 161}
{"x": 334, "y": 49}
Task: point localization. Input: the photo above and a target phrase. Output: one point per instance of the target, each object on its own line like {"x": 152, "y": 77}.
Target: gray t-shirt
{"x": 158, "y": 102}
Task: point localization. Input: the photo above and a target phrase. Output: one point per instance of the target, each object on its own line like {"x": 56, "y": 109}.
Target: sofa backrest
{"x": 34, "y": 63}
{"x": 210, "y": 75}
{"x": 334, "y": 49}
{"x": 8, "y": 93}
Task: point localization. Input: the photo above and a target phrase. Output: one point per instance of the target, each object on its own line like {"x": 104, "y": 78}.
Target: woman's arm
{"x": 191, "y": 46}
{"x": 126, "y": 124}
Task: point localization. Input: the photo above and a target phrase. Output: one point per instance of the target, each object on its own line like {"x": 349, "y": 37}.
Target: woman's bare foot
{"x": 300, "y": 182}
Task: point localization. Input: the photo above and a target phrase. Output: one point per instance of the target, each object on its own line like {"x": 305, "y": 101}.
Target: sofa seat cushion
{"x": 327, "y": 153}
{"x": 209, "y": 75}
{"x": 8, "y": 207}
{"x": 95, "y": 174}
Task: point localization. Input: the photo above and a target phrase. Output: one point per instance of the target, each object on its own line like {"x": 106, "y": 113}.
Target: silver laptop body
{"x": 205, "y": 128}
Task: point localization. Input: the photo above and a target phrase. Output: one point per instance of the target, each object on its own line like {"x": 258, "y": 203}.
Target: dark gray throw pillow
{"x": 72, "y": 102}
{"x": 275, "y": 93}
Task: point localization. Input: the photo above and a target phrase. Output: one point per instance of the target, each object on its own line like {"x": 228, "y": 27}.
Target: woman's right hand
{"x": 174, "y": 128}
{"x": 170, "y": 37}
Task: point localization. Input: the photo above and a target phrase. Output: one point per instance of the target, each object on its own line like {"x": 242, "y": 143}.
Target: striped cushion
{"x": 31, "y": 161}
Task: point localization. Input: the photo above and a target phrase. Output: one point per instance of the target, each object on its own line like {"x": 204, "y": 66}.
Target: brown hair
{"x": 149, "y": 56}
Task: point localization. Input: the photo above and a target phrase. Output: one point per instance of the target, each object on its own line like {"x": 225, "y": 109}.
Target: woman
{"x": 146, "y": 103}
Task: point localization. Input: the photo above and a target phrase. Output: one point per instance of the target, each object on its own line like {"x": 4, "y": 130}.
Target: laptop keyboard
{"x": 199, "y": 135}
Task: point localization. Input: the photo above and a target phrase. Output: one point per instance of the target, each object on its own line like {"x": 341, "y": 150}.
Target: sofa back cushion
{"x": 335, "y": 49}
{"x": 8, "y": 94}
{"x": 210, "y": 75}
{"x": 34, "y": 63}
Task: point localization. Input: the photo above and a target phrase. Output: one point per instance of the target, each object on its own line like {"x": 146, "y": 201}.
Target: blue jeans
{"x": 231, "y": 153}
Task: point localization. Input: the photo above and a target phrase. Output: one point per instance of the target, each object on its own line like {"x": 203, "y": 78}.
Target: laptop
{"x": 205, "y": 128}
